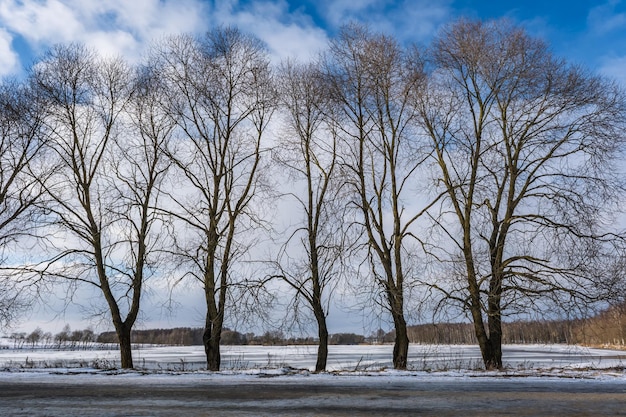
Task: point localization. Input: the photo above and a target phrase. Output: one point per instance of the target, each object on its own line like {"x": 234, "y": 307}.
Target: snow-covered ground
{"x": 340, "y": 358}
{"x": 541, "y": 380}
{"x": 281, "y": 392}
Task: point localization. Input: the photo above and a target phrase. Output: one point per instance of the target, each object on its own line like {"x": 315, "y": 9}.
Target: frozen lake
{"x": 340, "y": 358}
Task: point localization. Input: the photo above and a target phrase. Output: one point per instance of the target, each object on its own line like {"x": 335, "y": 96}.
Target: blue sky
{"x": 591, "y": 33}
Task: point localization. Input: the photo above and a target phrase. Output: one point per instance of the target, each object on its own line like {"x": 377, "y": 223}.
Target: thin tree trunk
{"x": 322, "y": 348}
{"x": 401, "y": 342}
{"x": 214, "y": 314}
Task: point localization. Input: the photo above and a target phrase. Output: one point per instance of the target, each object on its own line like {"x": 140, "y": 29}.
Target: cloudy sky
{"x": 591, "y": 33}
{"x": 585, "y": 31}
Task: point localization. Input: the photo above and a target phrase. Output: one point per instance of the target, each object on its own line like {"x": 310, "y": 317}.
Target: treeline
{"x": 608, "y": 328}
{"x": 65, "y": 339}
{"x": 518, "y": 332}
{"x": 187, "y": 336}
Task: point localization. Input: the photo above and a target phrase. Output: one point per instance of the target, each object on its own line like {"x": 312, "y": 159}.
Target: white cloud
{"x": 122, "y": 27}
{"x": 339, "y": 12}
{"x": 8, "y": 58}
{"x": 116, "y": 27}
{"x": 418, "y": 20}
{"x": 40, "y": 21}
{"x": 294, "y": 41}
{"x": 412, "y": 20}
{"x": 148, "y": 19}
{"x": 604, "y": 18}
{"x": 112, "y": 44}
{"x": 615, "y": 68}
{"x": 286, "y": 34}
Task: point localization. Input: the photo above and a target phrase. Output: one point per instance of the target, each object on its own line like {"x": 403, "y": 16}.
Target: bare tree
{"x": 22, "y": 167}
{"x": 104, "y": 189}
{"x": 373, "y": 80}
{"x": 138, "y": 166}
{"x": 311, "y": 258}
{"x": 221, "y": 99}
{"x": 525, "y": 146}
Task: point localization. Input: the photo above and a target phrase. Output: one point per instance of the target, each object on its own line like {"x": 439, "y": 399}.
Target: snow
{"x": 294, "y": 360}
{"x": 277, "y": 381}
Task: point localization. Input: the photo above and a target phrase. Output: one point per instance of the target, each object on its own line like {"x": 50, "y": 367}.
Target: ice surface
{"x": 358, "y": 358}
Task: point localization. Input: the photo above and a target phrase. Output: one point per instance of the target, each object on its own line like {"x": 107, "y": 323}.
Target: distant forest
{"x": 606, "y": 329}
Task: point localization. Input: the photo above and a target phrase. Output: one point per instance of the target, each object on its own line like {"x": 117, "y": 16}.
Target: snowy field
{"x": 340, "y": 358}
{"x": 540, "y": 380}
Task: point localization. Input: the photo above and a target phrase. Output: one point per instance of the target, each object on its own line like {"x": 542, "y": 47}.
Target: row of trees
{"x": 66, "y": 338}
{"x": 608, "y": 328}
{"x": 478, "y": 177}
{"x": 605, "y": 329}
{"x": 193, "y": 336}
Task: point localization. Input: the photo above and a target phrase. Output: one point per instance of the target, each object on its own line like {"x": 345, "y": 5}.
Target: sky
{"x": 589, "y": 33}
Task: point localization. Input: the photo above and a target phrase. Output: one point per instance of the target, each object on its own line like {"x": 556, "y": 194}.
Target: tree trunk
{"x": 491, "y": 360}
{"x": 494, "y": 361}
{"x": 211, "y": 340}
{"x": 126, "y": 354}
{"x": 401, "y": 342}
{"x": 322, "y": 348}
{"x": 491, "y": 345}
